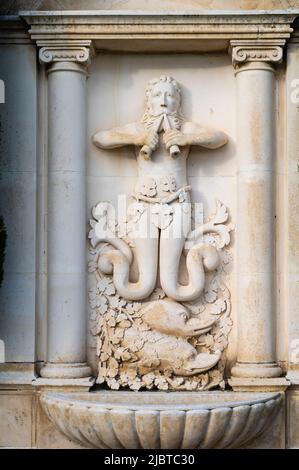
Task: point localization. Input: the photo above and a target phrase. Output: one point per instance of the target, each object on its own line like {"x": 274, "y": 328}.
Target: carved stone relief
{"x": 159, "y": 302}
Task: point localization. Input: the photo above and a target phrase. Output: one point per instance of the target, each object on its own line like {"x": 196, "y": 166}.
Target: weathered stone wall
{"x": 116, "y": 79}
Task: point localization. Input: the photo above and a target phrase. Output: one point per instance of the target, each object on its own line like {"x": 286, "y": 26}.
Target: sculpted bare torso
{"x": 162, "y": 143}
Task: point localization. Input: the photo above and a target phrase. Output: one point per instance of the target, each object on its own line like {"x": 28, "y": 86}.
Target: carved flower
{"x": 102, "y": 304}
{"x": 98, "y": 301}
{"x": 112, "y": 369}
{"x": 204, "y": 379}
{"x": 92, "y": 266}
{"x": 218, "y": 307}
{"x": 162, "y": 215}
{"x": 111, "y": 321}
{"x": 136, "y": 385}
{"x": 210, "y": 295}
{"x": 226, "y": 325}
{"x": 105, "y": 285}
{"x": 177, "y": 382}
{"x": 101, "y": 375}
{"x": 113, "y": 384}
{"x": 95, "y": 329}
{"x": 148, "y": 380}
{"x": 92, "y": 295}
{"x": 122, "y": 354}
{"x": 167, "y": 184}
{"x": 221, "y": 214}
{"x": 207, "y": 340}
{"x": 220, "y": 342}
{"x": 118, "y": 336}
{"x": 191, "y": 385}
{"x": 226, "y": 256}
{"x": 131, "y": 373}
{"x": 104, "y": 356}
{"x": 215, "y": 375}
{"x": 116, "y": 302}
{"x": 148, "y": 187}
{"x": 172, "y": 183}
{"x": 161, "y": 383}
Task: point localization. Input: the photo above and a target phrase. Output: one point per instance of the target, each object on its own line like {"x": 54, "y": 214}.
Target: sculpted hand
{"x": 175, "y": 137}
{"x": 151, "y": 139}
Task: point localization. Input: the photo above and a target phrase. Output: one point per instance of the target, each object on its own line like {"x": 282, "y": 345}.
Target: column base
{"x": 256, "y": 370}
{"x": 75, "y": 370}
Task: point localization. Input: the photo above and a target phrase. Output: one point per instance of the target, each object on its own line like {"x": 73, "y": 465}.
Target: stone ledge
{"x": 279, "y": 384}
{"x": 15, "y": 379}
{"x": 78, "y": 385}
{"x": 197, "y": 24}
{"x": 16, "y": 375}
{"x": 293, "y": 377}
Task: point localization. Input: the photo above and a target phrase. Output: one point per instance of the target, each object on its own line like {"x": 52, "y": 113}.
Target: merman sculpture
{"x": 162, "y": 142}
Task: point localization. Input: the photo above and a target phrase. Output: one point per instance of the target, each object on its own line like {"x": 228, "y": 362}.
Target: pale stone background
{"x": 18, "y": 178}
{"x": 116, "y": 96}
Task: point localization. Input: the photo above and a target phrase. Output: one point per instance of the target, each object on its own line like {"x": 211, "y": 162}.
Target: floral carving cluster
{"x": 150, "y": 186}
{"x": 111, "y": 317}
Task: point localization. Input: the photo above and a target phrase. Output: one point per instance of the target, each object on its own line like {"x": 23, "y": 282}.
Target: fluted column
{"x": 254, "y": 67}
{"x": 66, "y": 348}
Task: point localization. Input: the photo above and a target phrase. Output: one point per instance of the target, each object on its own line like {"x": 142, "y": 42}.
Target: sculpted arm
{"x": 195, "y": 134}
{"x": 130, "y": 134}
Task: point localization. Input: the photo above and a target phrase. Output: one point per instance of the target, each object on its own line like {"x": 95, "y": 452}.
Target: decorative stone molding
{"x": 256, "y": 51}
{"x": 50, "y": 54}
{"x": 294, "y": 39}
{"x": 14, "y": 31}
{"x": 211, "y": 24}
{"x": 176, "y": 30}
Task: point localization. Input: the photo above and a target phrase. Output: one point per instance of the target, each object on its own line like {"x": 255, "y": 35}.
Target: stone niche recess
{"x": 162, "y": 167}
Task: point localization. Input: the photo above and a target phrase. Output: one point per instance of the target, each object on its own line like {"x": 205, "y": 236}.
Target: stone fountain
{"x": 151, "y": 298}
{"x": 159, "y": 303}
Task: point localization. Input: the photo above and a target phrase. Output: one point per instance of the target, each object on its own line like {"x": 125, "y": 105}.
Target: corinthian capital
{"x": 75, "y": 52}
{"x": 270, "y": 51}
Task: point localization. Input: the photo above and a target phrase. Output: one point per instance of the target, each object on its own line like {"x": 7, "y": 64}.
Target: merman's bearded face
{"x": 163, "y": 98}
